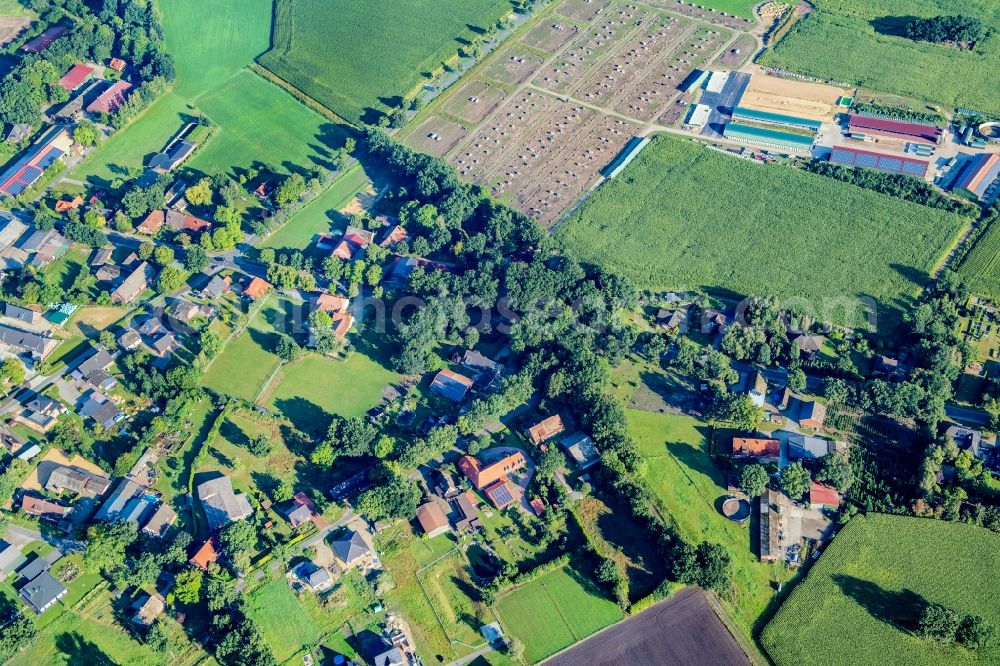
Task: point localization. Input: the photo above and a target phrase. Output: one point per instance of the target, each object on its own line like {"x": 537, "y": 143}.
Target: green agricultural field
{"x": 569, "y": 604}
{"x": 981, "y": 267}
{"x": 857, "y": 42}
{"x": 357, "y": 58}
{"x": 742, "y": 8}
{"x": 322, "y": 214}
{"x": 248, "y": 360}
{"x": 688, "y": 485}
{"x": 684, "y": 216}
{"x": 863, "y": 595}
{"x": 256, "y": 121}
{"x": 308, "y": 390}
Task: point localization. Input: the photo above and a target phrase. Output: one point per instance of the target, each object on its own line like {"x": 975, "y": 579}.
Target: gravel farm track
{"x": 678, "y": 631}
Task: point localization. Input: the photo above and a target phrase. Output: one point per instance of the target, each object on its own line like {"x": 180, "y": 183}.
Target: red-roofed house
{"x": 342, "y": 323}
{"x": 64, "y": 205}
{"x": 44, "y": 509}
{"x": 257, "y": 288}
{"x": 354, "y": 241}
{"x": 207, "y": 554}
{"x": 823, "y": 497}
{"x": 485, "y": 476}
{"x": 110, "y": 99}
{"x": 538, "y": 506}
{"x": 152, "y": 224}
{"x": 756, "y": 447}
{"x": 451, "y": 385}
{"x": 329, "y": 302}
{"x": 117, "y": 65}
{"x": 545, "y": 429}
{"x": 75, "y": 77}
{"x": 396, "y": 235}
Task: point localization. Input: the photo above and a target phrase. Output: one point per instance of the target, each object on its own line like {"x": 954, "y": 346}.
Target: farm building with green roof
{"x": 767, "y": 137}
{"x": 742, "y": 113}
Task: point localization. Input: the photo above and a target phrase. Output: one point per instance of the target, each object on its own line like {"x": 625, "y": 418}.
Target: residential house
{"x": 216, "y": 287}
{"x": 116, "y": 65}
{"x": 94, "y": 370}
{"x": 674, "y": 320}
{"x": 758, "y": 448}
{"x": 102, "y": 256}
{"x": 66, "y": 205}
{"x": 101, "y": 410}
{"x": 486, "y": 369}
{"x": 76, "y": 480}
{"x": 148, "y": 609}
{"x": 968, "y": 439}
{"x": 44, "y": 509}
{"x": 183, "y": 222}
{"x": 545, "y": 429}
{"x": 758, "y": 389}
{"x": 165, "y": 345}
{"x": 9, "y": 439}
{"x": 342, "y": 323}
{"x": 812, "y": 414}
{"x": 805, "y": 446}
{"x": 42, "y": 591}
{"x": 124, "y": 492}
{"x": 221, "y": 504}
{"x": 351, "y": 548}
{"x": 482, "y": 477}
{"x": 712, "y": 321}
{"x": 29, "y": 315}
{"x": 328, "y": 302}
{"x": 173, "y": 156}
{"x": 10, "y": 558}
{"x": 395, "y": 236}
{"x": 130, "y": 340}
{"x": 581, "y": 450}
{"x": 353, "y": 243}
{"x": 889, "y": 367}
{"x": 18, "y": 132}
{"x": 301, "y": 511}
{"x": 319, "y": 579}
{"x": 391, "y": 657}
{"x": 152, "y": 223}
{"x": 160, "y": 521}
{"x": 31, "y": 345}
{"x": 134, "y": 285}
{"x": 111, "y": 99}
{"x": 451, "y": 385}
{"x": 42, "y": 413}
{"x": 207, "y": 553}
{"x": 257, "y": 288}
{"x": 466, "y": 503}
{"x": 187, "y": 312}
{"x": 809, "y": 344}
{"x": 151, "y": 326}
{"x": 432, "y": 519}
{"x": 44, "y": 247}
{"x": 108, "y": 273}
{"x": 823, "y": 497}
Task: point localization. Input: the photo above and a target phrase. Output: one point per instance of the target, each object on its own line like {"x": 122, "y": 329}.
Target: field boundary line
{"x": 746, "y": 644}
{"x": 430, "y": 602}
{"x": 576, "y": 639}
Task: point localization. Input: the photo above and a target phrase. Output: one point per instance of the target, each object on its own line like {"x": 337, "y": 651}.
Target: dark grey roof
{"x": 300, "y": 514}
{"x": 318, "y": 577}
{"x": 100, "y": 360}
{"x": 102, "y": 410}
{"x": 221, "y": 504}
{"x": 38, "y": 345}
{"x": 351, "y": 547}
{"x": 119, "y": 497}
{"x": 23, "y": 314}
{"x": 215, "y": 287}
{"x": 393, "y": 657}
{"x": 42, "y": 591}
{"x": 77, "y": 480}
{"x": 173, "y": 156}
{"x": 36, "y": 566}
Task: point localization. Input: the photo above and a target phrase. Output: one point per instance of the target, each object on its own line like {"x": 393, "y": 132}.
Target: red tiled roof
{"x": 40, "y": 43}
{"x": 823, "y": 494}
{"x": 431, "y": 517}
{"x": 110, "y": 99}
{"x": 330, "y": 302}
{"x": 484, "y": 476}
{"x": 207, "y": 554}
{"x": 342, "y": 323}
{"x": 538, "y": 506}
{"x": 756, "y": 447}
{"x": 76, "y": 75}
{"x": 257, "y": 288}
{"x": 152, "y": 224}
{"x": 546, "y": 429}
{"x": 117, "y": 64}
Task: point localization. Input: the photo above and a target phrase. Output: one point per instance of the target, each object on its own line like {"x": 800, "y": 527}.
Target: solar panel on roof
{"x": 914, "y": 168}
{"x": 15, "y": 188}
{"x": 870, "y": 161}
{"x": 891, "y": 163}
{"x": 501, "y": 495}
{"x": 50, "y": 156}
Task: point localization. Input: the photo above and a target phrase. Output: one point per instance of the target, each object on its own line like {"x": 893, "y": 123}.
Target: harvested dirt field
{"x": 680, "y": 631}
{"x": 516, "y": 66}
{"x": 582, "y": 10}
{"x": 798, "y": 98}
{"x": 550, "y": 35}
{"x": 11, "y": 27}
{"x": 436, "y": 136}
{"x": 475, "y": 101}
{"x": 738, "y": 52}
